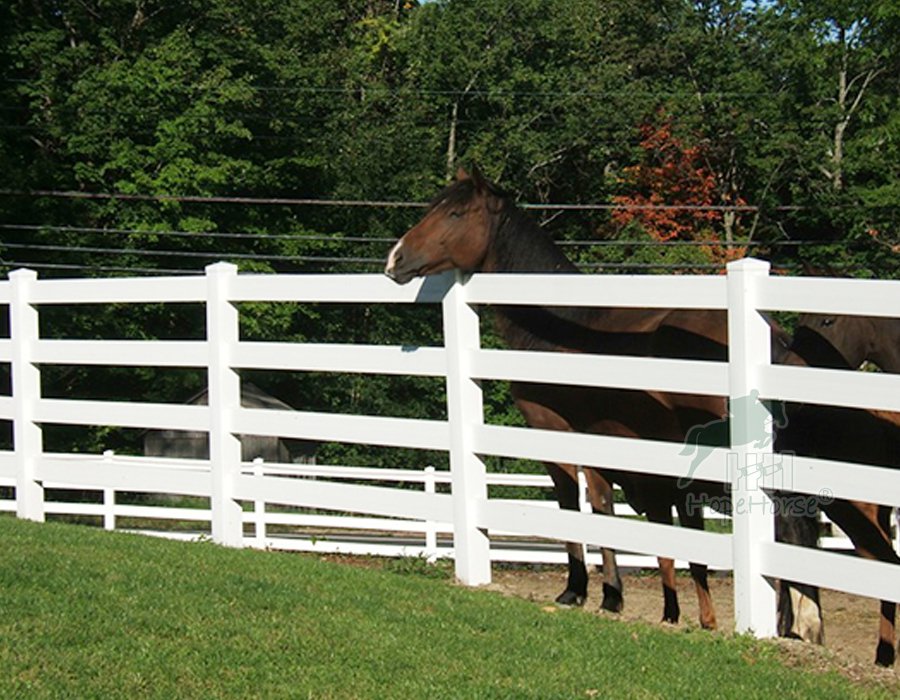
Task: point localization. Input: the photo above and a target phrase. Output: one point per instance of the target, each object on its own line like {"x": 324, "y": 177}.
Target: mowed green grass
{"x": 90, "y": 614}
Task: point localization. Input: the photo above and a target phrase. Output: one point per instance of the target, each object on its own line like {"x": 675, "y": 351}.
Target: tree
{"x": 672, "y": 194}
{"x": 838, "y": 63}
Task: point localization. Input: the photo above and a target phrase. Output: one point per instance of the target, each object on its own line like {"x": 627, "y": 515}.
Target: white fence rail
{"x": 341, "y": 533}
{"x": 465, "y": 512}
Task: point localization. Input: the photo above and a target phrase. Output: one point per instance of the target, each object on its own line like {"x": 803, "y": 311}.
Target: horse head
{"x": 453, "y": 234}
{"x": 847, "y": 341}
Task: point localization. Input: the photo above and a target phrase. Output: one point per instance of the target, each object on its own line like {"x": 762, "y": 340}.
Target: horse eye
{"x": 456, "y": 214}
{"x": 828, "y": 322}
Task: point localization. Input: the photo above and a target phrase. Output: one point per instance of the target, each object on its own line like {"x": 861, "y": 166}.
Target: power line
{"x": 363, "y": 89}
{"x": 260, "y": 237}
{"x": 404, "y": 204}
{"x": 325, "y": 259}
{"x": 376, "y": 267}
{"x": 379, "y": 240}
{"x": 211, "y": 199}
{"x": 187, "y": 254}
{"x": 16, "y": 264}
{"x": 293, "y": 201}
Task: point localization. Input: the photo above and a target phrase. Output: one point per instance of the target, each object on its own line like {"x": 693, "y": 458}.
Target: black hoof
{"x": 671, "y": 614}
{"x": 570, "y": 599}
{"x": 612, "y": 599}
{"x": 885, "y": 655}
{"x": 671, "y": 609}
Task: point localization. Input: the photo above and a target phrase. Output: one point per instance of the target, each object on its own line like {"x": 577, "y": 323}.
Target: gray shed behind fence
{"x": 190, "y": 444}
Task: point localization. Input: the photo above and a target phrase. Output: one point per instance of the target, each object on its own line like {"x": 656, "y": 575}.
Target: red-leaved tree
{"x": 671, "y": 194}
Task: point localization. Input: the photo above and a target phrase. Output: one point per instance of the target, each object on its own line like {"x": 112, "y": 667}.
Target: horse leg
{"x": 661, "y": 512}
{"x": 868, "y": 527}
{"x": 692, "y": 517}
{"x": 884, "y": 653}
{"x": 887, "y": 631}
{"x": 799, "y": 610}
{"x": 601, "y": 497}
{"x": 565, "y": 484}
{"x": 880, "y": 516}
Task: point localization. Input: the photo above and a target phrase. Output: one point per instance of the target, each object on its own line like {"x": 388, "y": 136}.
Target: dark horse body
{"x": 871, "y": 437}
{"x": 472, "y": 226}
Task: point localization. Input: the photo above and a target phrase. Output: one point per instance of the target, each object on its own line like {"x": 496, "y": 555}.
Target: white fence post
{"x": 259, "y": 507}
{"x": 24, "y": 330}
{"x": 751, "y": 459}
{"x": 465, "y": 412}
{"x": 584, "y": 501}
{"x": 222, "y": 334}
{"x": 897, "y": 530}
{"x": 430, "y": 486}
{"x": 109, "y": 498}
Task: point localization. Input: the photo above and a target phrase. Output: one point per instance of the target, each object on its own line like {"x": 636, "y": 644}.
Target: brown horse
{"x": 871, "y": 437}
{"x": 473, "y": 226}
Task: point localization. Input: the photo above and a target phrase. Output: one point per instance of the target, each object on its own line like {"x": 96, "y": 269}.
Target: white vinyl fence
{"x": 461, "y": 517}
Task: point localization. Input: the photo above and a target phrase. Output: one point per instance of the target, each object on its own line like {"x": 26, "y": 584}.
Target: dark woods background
{"x": 142, "y": 137}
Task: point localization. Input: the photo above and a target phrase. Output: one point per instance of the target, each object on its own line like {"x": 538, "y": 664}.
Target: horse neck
{"x": 886, "y": 348}
{"x": 517, "y": 244}
{"x": 520, "y": 245}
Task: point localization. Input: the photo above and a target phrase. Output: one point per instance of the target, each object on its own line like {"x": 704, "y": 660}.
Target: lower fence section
{"x": 297, "y": 508}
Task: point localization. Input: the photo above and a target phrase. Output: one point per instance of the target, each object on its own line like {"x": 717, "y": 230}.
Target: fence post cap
{"x": 23, "y": 273}
{"x": 749, "y": 265}
{"x": 221, "y": 268}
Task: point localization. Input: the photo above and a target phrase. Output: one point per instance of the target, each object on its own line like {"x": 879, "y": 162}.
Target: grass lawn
{"x": 91, "y": 614}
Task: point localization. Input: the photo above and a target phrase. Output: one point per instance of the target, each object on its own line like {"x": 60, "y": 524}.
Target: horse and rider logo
{"x": 701, "y": 440}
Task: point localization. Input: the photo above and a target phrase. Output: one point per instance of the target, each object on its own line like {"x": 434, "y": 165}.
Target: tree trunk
{"x": 837, "y": 149}
{"x": 451, "y": 141}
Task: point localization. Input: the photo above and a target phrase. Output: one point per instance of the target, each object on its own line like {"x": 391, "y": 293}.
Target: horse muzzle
{"x": 397, "y": 266}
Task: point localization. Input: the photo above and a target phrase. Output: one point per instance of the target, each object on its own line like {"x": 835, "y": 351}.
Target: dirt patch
{"x": 851, "y": 622}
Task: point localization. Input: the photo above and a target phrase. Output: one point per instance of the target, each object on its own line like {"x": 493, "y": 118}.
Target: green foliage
{"x": 361, "y": 100}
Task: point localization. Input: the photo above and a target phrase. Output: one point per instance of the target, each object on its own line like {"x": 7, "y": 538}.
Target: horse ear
{"x": 461, "y": 174}
{"x": 481, "y": 183}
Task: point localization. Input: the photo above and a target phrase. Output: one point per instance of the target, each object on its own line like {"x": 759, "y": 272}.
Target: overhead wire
{"x": 380, "y": 203}
{"x": 375, "y": 240}
{"x": 357, "y": 89}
